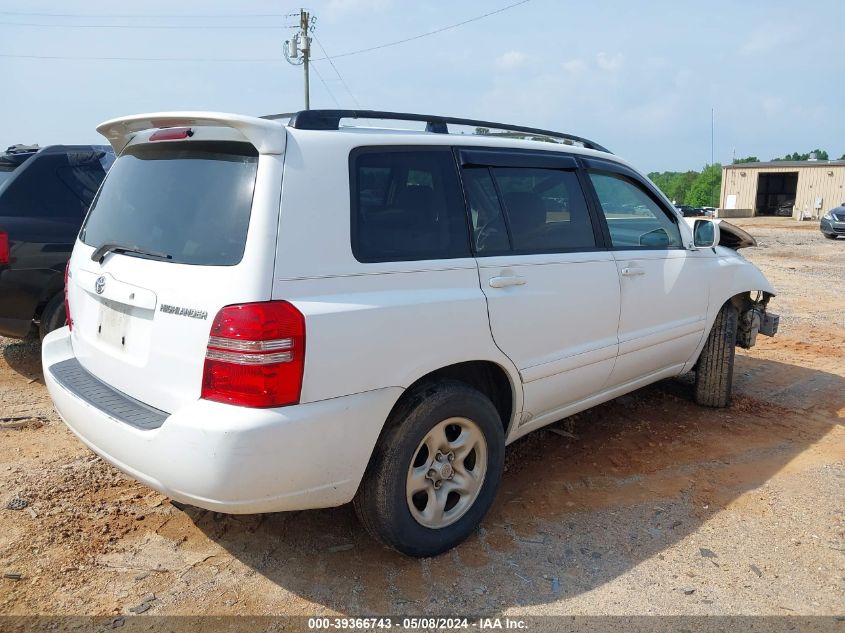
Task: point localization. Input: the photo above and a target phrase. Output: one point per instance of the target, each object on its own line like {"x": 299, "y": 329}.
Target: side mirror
{"x": 658, "y": 238}
{"x": 705, "y": 234}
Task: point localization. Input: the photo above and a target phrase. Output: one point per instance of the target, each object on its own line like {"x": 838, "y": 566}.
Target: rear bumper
{"x": 233, "y": 459}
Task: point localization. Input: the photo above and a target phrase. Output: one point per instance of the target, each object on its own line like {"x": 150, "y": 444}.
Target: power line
{"x": 266, "y": 60}
{"x": 144, "y": 15}
{"x": 259, "y": 60}
{"x": 337, "y": 72}
{"x": 422, "y": 35}
{"x": 144, "y": 26}
{"x": 326, "y": 86}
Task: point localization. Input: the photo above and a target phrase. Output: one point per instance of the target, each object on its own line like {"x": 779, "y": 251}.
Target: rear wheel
{"x": 435, "y": 471}
{"x": 714, "y": 372}
{"x": 53, "y": 316}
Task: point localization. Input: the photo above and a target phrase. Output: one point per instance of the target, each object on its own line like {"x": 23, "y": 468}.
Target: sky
{"x": 640, "y": 78}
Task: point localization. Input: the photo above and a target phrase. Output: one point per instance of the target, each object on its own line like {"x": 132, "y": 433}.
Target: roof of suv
{"x": 330, "y": 120}
{"x": 267, "y": 133}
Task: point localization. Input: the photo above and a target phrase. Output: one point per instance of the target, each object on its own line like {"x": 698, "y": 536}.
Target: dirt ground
{"x": 644, "y": 505}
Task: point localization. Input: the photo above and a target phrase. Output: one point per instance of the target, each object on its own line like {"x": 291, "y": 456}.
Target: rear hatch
{"x": 184, "y": 224}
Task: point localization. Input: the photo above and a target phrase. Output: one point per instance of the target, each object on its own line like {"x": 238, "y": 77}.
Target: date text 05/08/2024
{"x": 418, "y": 623}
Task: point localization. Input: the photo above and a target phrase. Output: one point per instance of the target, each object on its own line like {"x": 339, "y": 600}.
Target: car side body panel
{"x": 370, "y": 325}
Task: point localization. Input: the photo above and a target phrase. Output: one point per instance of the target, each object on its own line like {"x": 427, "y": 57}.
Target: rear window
{"x": 407, "y": 205}
{"x": 189, "y": 200}
{"x": 57, "y": 185}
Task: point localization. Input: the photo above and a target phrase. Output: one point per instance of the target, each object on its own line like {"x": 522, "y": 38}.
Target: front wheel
{"x": 435, "y": 471}
{"x": 715, "y": 369}
{"x": 830, "y": 236}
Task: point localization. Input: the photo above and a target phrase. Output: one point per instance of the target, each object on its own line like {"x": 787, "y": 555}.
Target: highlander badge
{"x": 188, "y": 312}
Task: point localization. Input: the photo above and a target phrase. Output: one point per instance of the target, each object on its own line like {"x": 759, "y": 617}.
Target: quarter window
{"x": 634, "y": 218}
{"x": 407, "y": 205}
{"x": 490, "y": 234}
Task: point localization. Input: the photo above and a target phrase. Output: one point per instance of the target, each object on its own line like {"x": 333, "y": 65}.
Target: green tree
{"x": 842, "y": 157}
{"x": 747, "y": 159}
{"x": 820, "y": 154}
{"x": 675, "y": 184}
{"x": 706, "y": 188}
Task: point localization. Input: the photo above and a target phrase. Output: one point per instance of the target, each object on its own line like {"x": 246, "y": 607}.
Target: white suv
{"x": 284, "y": 313}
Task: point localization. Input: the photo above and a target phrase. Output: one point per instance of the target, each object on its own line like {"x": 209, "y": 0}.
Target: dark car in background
{"x": 690, "y": 212}
{"x": 44, "y": 195}
{"x": 832, "y": 223}
{"x": 13, "y": 158}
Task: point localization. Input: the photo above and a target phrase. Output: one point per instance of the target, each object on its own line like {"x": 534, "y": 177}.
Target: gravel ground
{"x": 644, "y": 505}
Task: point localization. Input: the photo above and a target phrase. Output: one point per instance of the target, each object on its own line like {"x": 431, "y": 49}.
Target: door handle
{"x": 506, "y": 280}
{"x": 632, "y": 271}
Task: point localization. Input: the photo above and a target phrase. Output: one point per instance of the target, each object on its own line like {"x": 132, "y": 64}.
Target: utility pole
{"x": 712, "y": 135}
{"x": 305, "y": 46}
{"x": 298, "y": 49}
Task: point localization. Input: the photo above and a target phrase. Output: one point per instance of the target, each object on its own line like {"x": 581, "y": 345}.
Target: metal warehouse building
{"x": 797, "y": 188}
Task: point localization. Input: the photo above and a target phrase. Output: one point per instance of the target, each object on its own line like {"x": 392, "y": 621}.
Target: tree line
{"x": 693, "y": 188}
{"x": 702, "y": 188}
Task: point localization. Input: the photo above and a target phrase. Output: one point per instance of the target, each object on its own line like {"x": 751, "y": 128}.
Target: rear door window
{"x": 407, "y": 205}
{"x": 190, "y": 200}
{"x": 544, "y": 210}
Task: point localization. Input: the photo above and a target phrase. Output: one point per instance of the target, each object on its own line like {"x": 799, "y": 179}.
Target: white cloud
{"x": 511, "y": 60}
{"x": 609, "y": 62}
{"x": 574, "y": 66}
{"x": 770, "y": 37}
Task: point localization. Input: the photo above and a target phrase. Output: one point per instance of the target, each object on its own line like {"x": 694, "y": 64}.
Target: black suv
{"x": 44, "y": 195}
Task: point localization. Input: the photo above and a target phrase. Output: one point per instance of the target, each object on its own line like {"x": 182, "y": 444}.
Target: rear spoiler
{"x": 268, "y": 137}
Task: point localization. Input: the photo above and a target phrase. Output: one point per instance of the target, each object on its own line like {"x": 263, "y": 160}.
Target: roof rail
{"x": 330, "y": 120}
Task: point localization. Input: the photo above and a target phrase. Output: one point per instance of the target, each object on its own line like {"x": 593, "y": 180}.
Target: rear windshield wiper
{"x": 99, "y": 254}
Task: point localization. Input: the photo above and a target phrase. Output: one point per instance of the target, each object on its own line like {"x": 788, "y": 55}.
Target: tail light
{"x": 67, "y": 305}
{"x": 4, "y": 247}
{"x": 256, "y": 355}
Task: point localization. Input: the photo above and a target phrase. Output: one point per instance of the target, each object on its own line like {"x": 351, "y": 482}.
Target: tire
{"x": 830, "y": 236}
{"x": 715, "y": 369}
{"x": 53, "y": 316}
{"x": 386, "y": 504}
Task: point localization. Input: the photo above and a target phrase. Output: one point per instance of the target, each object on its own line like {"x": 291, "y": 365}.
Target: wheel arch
{"x": 737, "y": 279}
{"x": 497, "y": 382}
{"x": 53, "y": 285}
{"x": 741, "y": 298}
{"x": 488, "y": 377}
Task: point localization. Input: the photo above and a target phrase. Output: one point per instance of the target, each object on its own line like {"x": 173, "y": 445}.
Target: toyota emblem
{"x": 100, "y": 284}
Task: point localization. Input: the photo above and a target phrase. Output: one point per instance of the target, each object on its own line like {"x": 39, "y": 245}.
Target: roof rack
{"x": 330, "y": 120}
